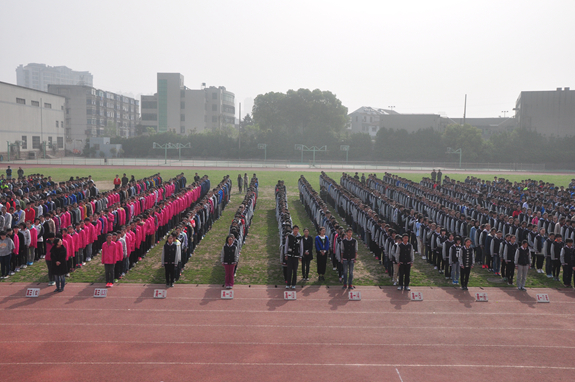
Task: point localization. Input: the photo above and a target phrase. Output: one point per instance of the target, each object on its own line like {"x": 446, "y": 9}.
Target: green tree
{"x": 467, "y": 138}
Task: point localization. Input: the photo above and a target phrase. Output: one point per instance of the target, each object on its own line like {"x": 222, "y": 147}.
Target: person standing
{"x": 293, "y": 256}
{"x": 246, "y": 182}
{"x": 321, "y": 250}
{"x": 171, "y": 256}
{"x": 454, "y": 260}
{"x": 20, "y": 173}
{"x": 124, "y": 180}
{"x": 433, "y": 176}
{"x": 509, "y": 258}
{"x": 348, "y": 254}
{"x": 567, "y": 259}
{"x": 240, "y": 182}
{"x": 6, "y": 249}
{"x": 439, "y": 174}
{"x": 555, "y": 256}
{"x": 404, "y": 257}
{"x": 306, "y": 250}
{"x": 117, "y": 182}
{"x": 9, "y": 173}
{"x": 58, "y": 255}
{"x": 465, "y": 259}
{"x": 229, "y": 258}
{"x": 109, "y": 259}
{"x": 522, "y": 260}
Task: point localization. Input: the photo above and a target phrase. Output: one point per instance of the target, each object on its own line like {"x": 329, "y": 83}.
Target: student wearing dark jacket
{"x": 509, "y": 250}
{"x": 404, "y": 256}
{"x": 522, "y": 260}
{"x": 229, "y": 258}
{"x": 567, "y": 258}
{"x": 465, "y": 259}
{"x": 59, "y": 264}
{"x": 293, "y": 256}
{"x": 321, "y": 250}
{"x": 306, "y": 250}
{"x": 171, "y": 256}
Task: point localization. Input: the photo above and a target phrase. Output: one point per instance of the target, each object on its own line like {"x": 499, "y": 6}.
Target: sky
{"x": 417, "y": 56}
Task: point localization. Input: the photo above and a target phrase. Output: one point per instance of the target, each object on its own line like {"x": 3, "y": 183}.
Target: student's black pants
{"x": 293, "y": 263}
{"x": 109, "y": 268}
{"x": 510, "y": 271}
{"x": 404, "y": 274}
{"x": 321, "y": 263}
{"x": 305, "y": 261}
{"x": 464, "y": 275}
{"x": 556, "y": 268}
{"x": 170, "y": 273}
{"x": 567, "y": 274}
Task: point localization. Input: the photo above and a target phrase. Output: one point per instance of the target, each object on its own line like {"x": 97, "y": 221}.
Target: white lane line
{"x": 401, "y": 379}
{"x": 291, "y": 344}
{"x": 243, "y": 311}
{"x": 276, "y": 364}
{"x": 409, "y": 328}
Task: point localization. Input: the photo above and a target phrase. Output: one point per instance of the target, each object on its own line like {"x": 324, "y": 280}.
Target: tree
{"x": 111, "y": 130}
{"x": 467, "y": 138}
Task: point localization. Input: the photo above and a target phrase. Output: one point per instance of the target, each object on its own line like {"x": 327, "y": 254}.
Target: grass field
{"x": 259, "y": 262}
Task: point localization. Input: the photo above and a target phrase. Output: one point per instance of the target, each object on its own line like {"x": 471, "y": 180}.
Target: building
{"x": 551, "y": 113}
{"x": 93, "y": 112}
{"x": 31, "y": 120}
{"x": 39, "y": 76}
{"x": 488, "y": 126}
{"x": 102, "y": 148}
{"x": 176, "y": 108}
{"x": 369, "y": 120}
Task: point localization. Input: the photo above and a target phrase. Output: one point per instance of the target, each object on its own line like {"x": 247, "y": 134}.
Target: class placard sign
{"x": 227, "y": 294}
{"x": 100, "y": 292}
{"x": 32, "y": 292}
{"x": 481, "y": 297}
{"x": 290, "y": 295}
{"x": 354, "y": 296}
{"x": 416, "y": 296}
{"x": 160, "y": 293}
{"x": 543, "y": 297}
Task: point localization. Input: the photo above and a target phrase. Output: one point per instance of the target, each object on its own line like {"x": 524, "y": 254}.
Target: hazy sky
{"x": 419, "y": 56}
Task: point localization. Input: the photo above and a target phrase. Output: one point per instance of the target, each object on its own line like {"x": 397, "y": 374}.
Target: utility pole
{"x": 240, "y": 131}
{"x": 313, "y": 149}
{"x": 464, "y": 109}
{"x": 264, "y": 146}
{"x": 346, "y": 149}
{"x": 458, "y": 151}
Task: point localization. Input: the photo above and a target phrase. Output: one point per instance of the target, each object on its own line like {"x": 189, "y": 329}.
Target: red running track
{"x": 193, "y": 335}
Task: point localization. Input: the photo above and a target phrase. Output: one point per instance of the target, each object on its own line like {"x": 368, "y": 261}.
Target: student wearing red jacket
{"x": 109, "y": 251}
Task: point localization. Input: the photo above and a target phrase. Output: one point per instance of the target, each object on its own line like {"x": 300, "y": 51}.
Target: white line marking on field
{"x": 401, "y": 379}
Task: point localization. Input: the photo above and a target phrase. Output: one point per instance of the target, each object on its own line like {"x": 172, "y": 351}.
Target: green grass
{"x": 259, "y": 262}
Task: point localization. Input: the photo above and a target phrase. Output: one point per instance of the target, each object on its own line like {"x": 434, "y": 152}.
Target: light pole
{"x": 181, "y": 146}
{"x": 313, "y": 149}
{"x": 264, "y": 146}
{"x": 166, "y": 147}
{"x": 346, "y": 149}
{"x": 458, "y": 151}
{"x": 505, "y": 113}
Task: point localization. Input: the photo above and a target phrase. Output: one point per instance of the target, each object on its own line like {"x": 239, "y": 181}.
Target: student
{"x": 555, "y": 256}
{"x": 393, "y": 248}
{"x": 27, "y": 241}
{"x": 171, "y": 256}
{"x": 240, "y": 182}
{"x": 522, "y": 260}
{"x": 445, "y": 255}
{"x": 246, "y": 182}
{"x": 322, "y": 250}
{"x": 6, "y": 249}
{"x": 347, "y": 254}
{"x": 109, "y": 250}
{"x": 496, "y": 246}
{"x": 306, "y": 250}
{"x": 117, "y": 182}
{"x": 229, "y": 258}
{"x": 509, "y": 258}
{"x": 547, "y": 249}
{"x": 466, "y": 259}
{"x": 59, "y": 264}
{"x": 454, "y": 260}
{"x": 49, "y": 242}
{"x": 538, "y": 249}
{"x": 567, "y": 259}
{"x": 404, "y": 257}
{"x": 293, "y": 255}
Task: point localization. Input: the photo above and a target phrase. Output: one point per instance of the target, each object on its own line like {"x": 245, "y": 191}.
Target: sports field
{"x": 259, "y": 263}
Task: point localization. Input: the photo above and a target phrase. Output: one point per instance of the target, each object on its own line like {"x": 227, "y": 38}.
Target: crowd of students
{"x": 501, "y": 226}
{"x": 238, "y": 232}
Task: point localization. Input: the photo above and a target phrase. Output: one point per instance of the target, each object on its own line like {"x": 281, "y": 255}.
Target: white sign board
{"x": 100, "y": 292}
{"x": 481, "y": 297}
{"x": 32, "y": 292}
{"x": 160, "y": 293}
{"x": 355, "y": 296}
{"x": 228, "y": 294}
{"x": 542, "y": 297}
{"x": 416, "y": 296}
{"x": 290, "y": 295}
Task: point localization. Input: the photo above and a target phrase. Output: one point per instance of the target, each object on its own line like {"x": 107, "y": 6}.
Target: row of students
{"x": 239, "y": 228}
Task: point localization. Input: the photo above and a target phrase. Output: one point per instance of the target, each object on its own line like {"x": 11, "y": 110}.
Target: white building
{"x": 29, "y": 118}
{"x": 39, "y": 76}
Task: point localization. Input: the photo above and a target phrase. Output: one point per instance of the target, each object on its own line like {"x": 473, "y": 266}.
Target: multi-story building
{"x": 488, "y": 126}
{"x": 176, "y": 108}
{"x": 369, "y": 120}
{"x": 31, "y": 120}
{"x": 93, "y": 112}
{"x": 550, "y": 113}
{"x": 39, "y": 76}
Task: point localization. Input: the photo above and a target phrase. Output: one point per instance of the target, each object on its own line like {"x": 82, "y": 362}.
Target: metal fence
{"x": 322, "y": 165}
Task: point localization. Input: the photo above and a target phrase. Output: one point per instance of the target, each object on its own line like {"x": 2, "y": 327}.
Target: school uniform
{"x": 465, "y": 259}
{"x": 229, "y": 258}
{"x": 293, "y": 254}
{"x": 522, "y": 259}
{"x": 171, "y": 256}
{"x": 306, "y": 250}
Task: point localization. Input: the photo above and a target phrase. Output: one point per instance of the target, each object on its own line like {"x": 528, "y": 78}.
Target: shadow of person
{"x": 211, "y": 294}
{"x": 395, "y": 297}
{"x": 465, "y": 297}
{"x": 276, "y": 297}
{"x": 521, "y": 296}
{"x": 338, "y": 297}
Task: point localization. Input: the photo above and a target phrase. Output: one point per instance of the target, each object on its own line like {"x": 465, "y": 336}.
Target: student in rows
{"x": 466, "y": 259}
{"x": 59, "y": 264}
{"x": 109, "y": 250}
{"x": 509, "y": 257}
{"x": 6, "y": 250}
{"x": 454, "y": 260}
{"x": 555, "y": 256}
{"x": 322, "y": 252}
{"x": 171, "y": 255}
{"x": 496, "y": 248}
{"x": 306, "y": 250}
{"x": 567, "y": 259}
{"x": 522, "y": 260}
{"x": 404, "y": 256}
{"x": 293, "y": 256}
{"x": 229, "y": 258}
{"x": 348, "y": 255}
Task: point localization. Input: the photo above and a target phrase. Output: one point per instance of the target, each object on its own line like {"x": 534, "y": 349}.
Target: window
{"x": 182, "y": 129}
{"x": 61, "y": 123}
{"x": 97, "y": 146}
{"x": 24, "y": 142}
{"x": 149, "y": 117}
{"x": 214, "y": 95}
{"x": 49, "y": 141}
{"x": 149, "y": 105}
{"x": 21, "y": 101}
{"x": 57, "y": 124}
{"x": 35, "y": 103}
{"x": 36, "y": 142}
{"x": 182, "y": 105}
{"x": 47, "y": 105}
{"x": 214, "y": 107}
{"x": 214, "y": 119}
{"x": 60, "y": 142}
{"x": 182, "y": 117}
